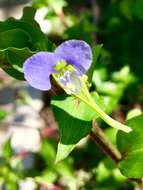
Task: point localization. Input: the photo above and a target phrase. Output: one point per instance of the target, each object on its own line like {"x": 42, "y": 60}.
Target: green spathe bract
{"x": 81, "y": 92}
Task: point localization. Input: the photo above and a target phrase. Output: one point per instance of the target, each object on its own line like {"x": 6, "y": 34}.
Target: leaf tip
{"x": 128, "y": 129}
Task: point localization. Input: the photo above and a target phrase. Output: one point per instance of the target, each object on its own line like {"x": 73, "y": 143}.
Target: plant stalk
{"x": 86, "y": 98}
{"x": 99, "y": 137}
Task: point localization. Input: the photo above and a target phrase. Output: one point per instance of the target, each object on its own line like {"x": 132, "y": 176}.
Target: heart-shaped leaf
{"x": 72, "y": 130}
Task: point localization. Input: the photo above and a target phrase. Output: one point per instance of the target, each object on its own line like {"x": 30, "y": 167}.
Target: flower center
{"x": 60, "y": 65}
{"x": 67, "y": 76}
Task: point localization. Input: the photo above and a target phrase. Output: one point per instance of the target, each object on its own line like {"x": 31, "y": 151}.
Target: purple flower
{"x": 38, "y": 68}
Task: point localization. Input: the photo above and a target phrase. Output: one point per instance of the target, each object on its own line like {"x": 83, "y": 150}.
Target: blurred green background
{"x": 28, "y": 133}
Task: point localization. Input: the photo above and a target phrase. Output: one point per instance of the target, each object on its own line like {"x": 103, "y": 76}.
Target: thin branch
{"x": 99, "y": 137}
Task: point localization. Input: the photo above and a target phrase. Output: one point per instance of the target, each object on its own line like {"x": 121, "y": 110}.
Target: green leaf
{"x": 15, "y": 56}
{"x": 38, "y": 40}
{"x": 14, "y": 38}
{"x": 28, "y": 15}
{"x": 110, "y": 88}
{"x": 7, "y": 150}
{"x": 63, "y": 151}
{"x": 20, "y": 39}
{"x": 14, "y": 73}
{"x": 11, "y": 186}
{"x": 131, "y": 147}
{"x": 47, "y": 176}
{"x": 43, "y": 42}
{"x": 66, "y": 170}
{"x": 133, "y": 113}
{"x": 96, "y": 50}
{"x": 72, "y": 130}
{"x": 48, "y": 152}
{"x": 111, "y": 102}
{"x": 63, "y": 168}
{"x": 12, "y": 60}
{"x": 3, "y": 114}
{"x": 76, "y": 108}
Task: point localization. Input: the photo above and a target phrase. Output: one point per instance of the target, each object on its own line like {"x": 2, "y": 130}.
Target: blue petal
{"x": 38, "y": 68}
{"x": 77, "y": 53}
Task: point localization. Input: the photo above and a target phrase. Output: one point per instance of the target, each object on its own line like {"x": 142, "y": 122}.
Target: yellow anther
{"x": 60, "y": 65}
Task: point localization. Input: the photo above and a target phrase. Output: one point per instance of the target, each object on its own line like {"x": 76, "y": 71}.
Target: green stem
{"x": 86, "y": 98}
